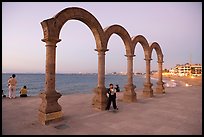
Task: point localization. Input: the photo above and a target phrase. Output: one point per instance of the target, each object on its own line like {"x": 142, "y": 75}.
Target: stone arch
{"x": 52, "y": 27}
{"x": 160, "y": 83}
{"x": 158, "y": 50}
{"x": 143, "y": 41}
{"x": 120, "y": 31}
{"x": 129, "y": 94}
{"x": 147, "y": 91}
{"x": 49, "y": 108}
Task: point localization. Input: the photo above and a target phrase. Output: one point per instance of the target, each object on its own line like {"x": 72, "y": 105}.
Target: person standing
{"x": 117, "y": 88}
{"x": 12, "y": 86}
{"x": 111, "y": 97}
{"x": 8, "y": 80}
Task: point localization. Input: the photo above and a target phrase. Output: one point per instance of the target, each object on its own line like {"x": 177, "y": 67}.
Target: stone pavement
{"x": 178, "y": 112}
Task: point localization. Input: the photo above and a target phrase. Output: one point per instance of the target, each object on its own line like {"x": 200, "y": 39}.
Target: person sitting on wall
{"x": 23, "y": 91}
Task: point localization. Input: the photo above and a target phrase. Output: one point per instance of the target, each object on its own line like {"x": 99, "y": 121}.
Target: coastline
{"x": 194, "y": 81}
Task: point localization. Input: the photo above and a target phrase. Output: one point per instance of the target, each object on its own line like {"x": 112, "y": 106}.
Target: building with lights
{"x": 186, "y": 70}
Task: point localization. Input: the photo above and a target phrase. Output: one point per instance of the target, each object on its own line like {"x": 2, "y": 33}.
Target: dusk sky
{"x": 177, "y": 27}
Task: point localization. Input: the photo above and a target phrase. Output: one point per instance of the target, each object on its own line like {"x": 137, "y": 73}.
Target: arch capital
{"x": 130, "y": 55}
{"x": 147, "y": 59}
{"x": 160, "y": 61}
{"x": 101, "y": 50}
{"x": 52, "y": 41}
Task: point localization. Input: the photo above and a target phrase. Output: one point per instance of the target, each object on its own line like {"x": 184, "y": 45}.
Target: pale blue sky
{"x": 177, "y": 27}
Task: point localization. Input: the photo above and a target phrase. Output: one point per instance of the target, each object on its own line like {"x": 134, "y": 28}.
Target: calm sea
{"x": 68, "y": 83}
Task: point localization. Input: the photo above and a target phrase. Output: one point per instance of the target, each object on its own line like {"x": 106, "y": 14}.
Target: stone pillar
{"x": 50, "y": 109}
{"x": 100, "y": 99}
{"x": 148, "y": 91}
{"x": 160, "y": 83}
{"x": 129, "y": 94}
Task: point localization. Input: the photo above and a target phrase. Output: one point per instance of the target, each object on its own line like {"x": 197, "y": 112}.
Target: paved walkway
{"x": 179, "y": 111}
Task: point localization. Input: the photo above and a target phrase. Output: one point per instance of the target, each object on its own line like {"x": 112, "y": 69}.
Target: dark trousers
{"x": 113, "y": 100}
{"x": 23, "y": 95}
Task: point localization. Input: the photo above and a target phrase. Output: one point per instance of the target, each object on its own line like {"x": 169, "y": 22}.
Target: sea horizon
{"x": 69, "y": 83}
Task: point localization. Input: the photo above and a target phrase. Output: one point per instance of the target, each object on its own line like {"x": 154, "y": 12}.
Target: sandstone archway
{"x": 147, "y": 91}
{"x": 129, "y": 94}
{"x": 50, "y": 109}
{"x": 53, "y": 26}
{"x": 160, "y": 83}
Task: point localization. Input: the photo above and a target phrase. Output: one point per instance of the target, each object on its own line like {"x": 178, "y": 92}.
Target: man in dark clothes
{"x": 111, "y": 92}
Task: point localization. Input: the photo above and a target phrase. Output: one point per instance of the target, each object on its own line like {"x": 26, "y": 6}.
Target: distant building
{"x": 186, "y": 70}
{"x": 183, "y": 70}
{"x": 196, "y": 69}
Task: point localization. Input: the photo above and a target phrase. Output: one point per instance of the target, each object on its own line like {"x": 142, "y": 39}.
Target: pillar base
{"x": 99, "y": 101}
{"x": 160, "y": 88}
{"x": 129, "y": 95}
{"x": 49, "y": 108}
{"x": 148, "y": 91}
{"x": 46, "y": 119}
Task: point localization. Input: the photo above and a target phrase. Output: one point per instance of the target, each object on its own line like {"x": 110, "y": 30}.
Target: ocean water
{"x": 68, "y": 83}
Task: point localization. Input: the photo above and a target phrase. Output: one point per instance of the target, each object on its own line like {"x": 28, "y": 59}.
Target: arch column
{"x": 129, "y": 94}
{"x": 49, "y": 109}
{"x": 148, "y": 91}
{"x": 100, "y": 99}
{"x": 160, "y": 83}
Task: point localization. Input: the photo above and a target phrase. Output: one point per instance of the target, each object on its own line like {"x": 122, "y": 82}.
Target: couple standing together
{"x": 111, "y": 93}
